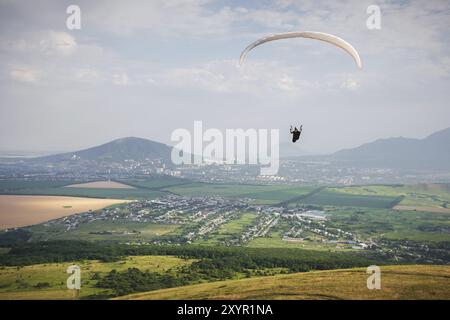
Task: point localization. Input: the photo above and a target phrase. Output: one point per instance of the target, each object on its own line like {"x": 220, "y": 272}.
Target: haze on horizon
{"x": 146, "y": 68}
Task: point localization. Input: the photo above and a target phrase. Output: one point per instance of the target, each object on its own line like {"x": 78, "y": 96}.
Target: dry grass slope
{"x": 397, "y": 282}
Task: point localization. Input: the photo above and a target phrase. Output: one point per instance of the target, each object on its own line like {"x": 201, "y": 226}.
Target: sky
{"x": 146, "y": 68}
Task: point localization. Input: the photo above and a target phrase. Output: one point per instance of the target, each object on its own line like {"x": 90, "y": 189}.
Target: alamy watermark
{"x": 73, "y": 21}
{"x": 373, "y": 22}
{"x": 74, "y": 280}
{"x": 236, "y": 146}
{"x": 374, "y": 280}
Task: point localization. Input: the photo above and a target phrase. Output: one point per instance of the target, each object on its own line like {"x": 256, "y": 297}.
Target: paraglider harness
{"x": 296, "y": 133}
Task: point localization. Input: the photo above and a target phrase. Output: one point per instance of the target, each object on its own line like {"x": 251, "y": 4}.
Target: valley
{"x": 214, "y": 223}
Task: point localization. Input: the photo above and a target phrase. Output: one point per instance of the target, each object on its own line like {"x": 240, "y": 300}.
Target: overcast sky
{"x": 145, "y": 68}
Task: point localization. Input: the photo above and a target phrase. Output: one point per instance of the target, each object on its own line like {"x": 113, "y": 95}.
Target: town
{"x": 198, "y": 220}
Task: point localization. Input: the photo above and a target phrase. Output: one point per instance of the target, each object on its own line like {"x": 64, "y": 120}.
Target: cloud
{"x": 58, "y": 43}
{"x": 261, "y": 78}
{"x": 63, "y": 58}
{"x": 88, "y": 76}
{"x": 350, "y": 84}
{"x": 181, "y": 55}
{"x": 402, "y": 33}
{"x": 161, "y": 17}
{"x": 427, "y": 69}
{"x": 43, "y": 42}
{"x": 24, "y": 75}
{"x": 120, "y": 79}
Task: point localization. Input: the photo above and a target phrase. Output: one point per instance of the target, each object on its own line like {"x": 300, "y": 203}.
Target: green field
{"x": 366, "y": 223}
{"x": 57, "y": 188}
{"x": 392, "y": 224}
{"x": 105, "y": 230}
{"x": 155, "y": 183}
{"x": 333, "y": 198}
{"x": 433, "y": 195}
{"x": 23, "y": 282}
{"x": 261, "y": 193}
{"x": 275, "y": 240}
{"x": 236, "y": 226}
{"x": 229, "y": 230}
{"x": 130, "y": 194}
{"x": 397, "y": 283}
{"x": 16, "y": 185}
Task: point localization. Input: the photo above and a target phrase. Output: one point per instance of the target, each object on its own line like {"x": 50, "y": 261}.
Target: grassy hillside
{"x": 397, "y": 282}
{"x": 23, "y": 282}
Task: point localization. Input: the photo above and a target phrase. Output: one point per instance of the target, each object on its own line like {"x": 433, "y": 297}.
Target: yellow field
{"x": 397, "y": 282}
{"x": 101, "y": 185}
{"x": 19, "y": 211}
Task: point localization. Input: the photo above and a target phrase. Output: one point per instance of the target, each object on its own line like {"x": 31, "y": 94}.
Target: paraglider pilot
{"x": 296, "y": 133}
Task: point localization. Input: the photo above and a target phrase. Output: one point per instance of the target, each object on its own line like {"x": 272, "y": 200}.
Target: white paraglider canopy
{"x": 334, "y": 40}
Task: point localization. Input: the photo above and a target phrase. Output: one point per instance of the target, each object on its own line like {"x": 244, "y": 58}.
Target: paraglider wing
{"x": 341, "y": 43}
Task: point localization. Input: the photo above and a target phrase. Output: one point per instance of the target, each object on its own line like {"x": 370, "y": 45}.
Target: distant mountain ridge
{"x": 130, "y": 148}
{"x": 430, "y": 152}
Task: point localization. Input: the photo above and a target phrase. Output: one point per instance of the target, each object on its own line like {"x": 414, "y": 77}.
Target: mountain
{"x": 432, "y": 152}
{"x": 117, "y": 151}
